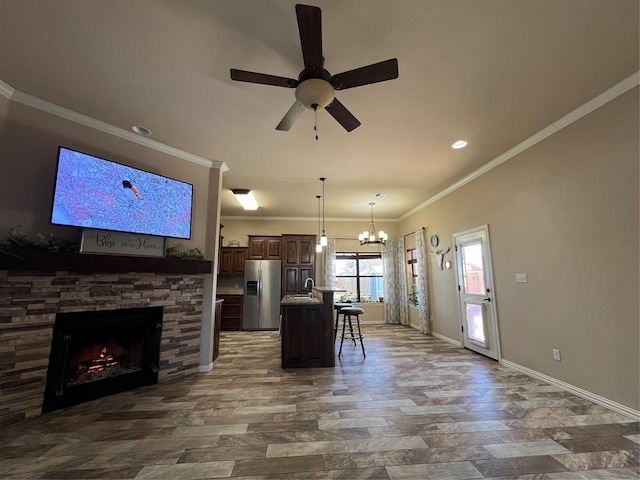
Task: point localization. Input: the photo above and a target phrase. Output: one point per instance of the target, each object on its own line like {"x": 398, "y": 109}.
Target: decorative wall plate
{"x": 434, "y": 241}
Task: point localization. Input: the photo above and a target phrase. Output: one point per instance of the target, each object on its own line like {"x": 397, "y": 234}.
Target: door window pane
{"x": 475, "y": 323}
{"x": 473, "y": 269}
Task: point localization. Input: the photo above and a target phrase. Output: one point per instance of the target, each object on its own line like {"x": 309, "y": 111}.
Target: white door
{"x": 476, "y": 293}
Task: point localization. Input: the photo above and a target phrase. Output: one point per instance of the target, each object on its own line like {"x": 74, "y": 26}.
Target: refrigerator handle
{"x": 259, "y": 295}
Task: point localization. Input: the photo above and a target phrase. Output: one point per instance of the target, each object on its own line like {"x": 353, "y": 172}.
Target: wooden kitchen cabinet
{"x": 302, "y": 326}
{"x": 264, "y": 247}
{"x": 231, "y": 318}
{"x": 232, "y": 261}
{"x": 298, "y": 262}
{"x": 307, "y": 332}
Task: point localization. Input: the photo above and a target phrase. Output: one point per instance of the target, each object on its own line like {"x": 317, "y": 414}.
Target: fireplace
{"x": 99, "y": 353}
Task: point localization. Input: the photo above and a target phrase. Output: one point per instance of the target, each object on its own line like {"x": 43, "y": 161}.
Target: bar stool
{"x": 337, "y": 306}
{"x": 347, "y": 313}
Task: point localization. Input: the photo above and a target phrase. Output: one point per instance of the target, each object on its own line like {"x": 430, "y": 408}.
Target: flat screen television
{"x": 92, "y": 192}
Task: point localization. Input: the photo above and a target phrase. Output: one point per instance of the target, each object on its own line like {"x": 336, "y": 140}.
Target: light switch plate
{"x": 521, "y": 278}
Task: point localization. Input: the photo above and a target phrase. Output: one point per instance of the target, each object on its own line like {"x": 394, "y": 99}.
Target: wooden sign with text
{"x": 121, "y": 243}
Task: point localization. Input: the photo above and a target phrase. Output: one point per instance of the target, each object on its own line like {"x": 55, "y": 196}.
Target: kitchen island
{"x": 307, "y": 329}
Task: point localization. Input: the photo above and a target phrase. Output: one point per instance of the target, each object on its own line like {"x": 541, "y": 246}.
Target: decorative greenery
{"x": 187, "y": 254}
{"x": 15, "y": 243}
{"x": 413, "y": 296}
{"x": 347, "y": 297}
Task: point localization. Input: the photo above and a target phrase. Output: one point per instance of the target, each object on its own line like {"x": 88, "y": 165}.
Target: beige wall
{"x": 28, "y": 151}
{"x": 566, "y": 213}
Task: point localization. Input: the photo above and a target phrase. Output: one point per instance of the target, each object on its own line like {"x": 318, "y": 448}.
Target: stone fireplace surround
{"x": 34, "y": 289}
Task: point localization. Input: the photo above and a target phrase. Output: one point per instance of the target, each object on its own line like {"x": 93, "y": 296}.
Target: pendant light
{"x": 318, "y": 245}
{"x": 368, "y": 237}
{"x": 323, "y": 238}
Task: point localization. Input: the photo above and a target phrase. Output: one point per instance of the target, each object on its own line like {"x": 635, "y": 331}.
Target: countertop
{"x": 300, "y": 300}
{"x": 322, "y": 288}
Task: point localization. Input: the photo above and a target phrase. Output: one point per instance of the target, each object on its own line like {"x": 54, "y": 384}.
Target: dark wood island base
{"x": 307, "y": 330}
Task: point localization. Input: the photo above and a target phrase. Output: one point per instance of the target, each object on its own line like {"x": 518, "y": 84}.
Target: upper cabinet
{"x": 298, "y": 262}
{"x": 232, "y": 261}
{"x": 265, "y": 247}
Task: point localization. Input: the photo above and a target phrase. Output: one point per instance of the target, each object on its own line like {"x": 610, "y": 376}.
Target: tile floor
{"x": 416, "y": 407}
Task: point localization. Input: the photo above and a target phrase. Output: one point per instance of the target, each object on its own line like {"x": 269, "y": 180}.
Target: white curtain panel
{"x": 396, "y": 297}
{"x": 329, "y": 263}
{"x": 424, "y": 312}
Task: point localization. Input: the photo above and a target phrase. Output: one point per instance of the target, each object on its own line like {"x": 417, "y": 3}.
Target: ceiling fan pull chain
{"x": 315, "y": 120}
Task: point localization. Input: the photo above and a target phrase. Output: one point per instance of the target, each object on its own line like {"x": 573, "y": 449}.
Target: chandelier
{"x": 369, "y": 237}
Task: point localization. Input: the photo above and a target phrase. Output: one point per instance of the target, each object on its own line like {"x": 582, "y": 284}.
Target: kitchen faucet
{"x": 306, "y": 283}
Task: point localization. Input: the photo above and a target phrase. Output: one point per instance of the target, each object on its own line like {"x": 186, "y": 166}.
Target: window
{"x": 412, "y": 275}
{"x": 360, "y": 274}
{"x": 412, "y": 261}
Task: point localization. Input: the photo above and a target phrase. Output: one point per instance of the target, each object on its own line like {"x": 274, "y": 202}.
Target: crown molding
{"x": 605, "y": 97}
{"x": 6, "y": 90}
{"x": 608, "y": 95}
{"x": 306, "y": 219}
{"x": 62, "y": 112}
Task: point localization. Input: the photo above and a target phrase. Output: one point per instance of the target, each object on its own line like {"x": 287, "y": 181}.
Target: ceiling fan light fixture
{"x": 315, "y": 93}
{"x": 246, "y": 198}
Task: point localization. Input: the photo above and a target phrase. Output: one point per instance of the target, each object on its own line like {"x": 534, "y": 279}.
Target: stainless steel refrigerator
{"x": 262, "y": 286}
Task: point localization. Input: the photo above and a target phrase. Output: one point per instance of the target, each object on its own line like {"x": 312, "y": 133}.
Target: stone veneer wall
{"x": 29, "y": 302}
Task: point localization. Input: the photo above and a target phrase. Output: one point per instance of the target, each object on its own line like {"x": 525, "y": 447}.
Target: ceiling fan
{"x": 315, "y": 86}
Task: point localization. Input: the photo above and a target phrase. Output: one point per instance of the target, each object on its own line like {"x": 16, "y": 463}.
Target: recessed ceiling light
{"x": 140, "y": 130}
{"x": 459, "y": 144}
{"x": 246, "y": 198}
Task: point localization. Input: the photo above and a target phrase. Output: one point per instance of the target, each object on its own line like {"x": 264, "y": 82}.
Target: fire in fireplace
{"x": 94, "y": 354}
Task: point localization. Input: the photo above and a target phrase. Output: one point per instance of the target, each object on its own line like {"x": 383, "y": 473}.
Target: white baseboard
{"x": 437, "y": 335}
{"x": 447, "y": 339}
{"x": 605, "y": 402}
{"x": 205, "y": 368}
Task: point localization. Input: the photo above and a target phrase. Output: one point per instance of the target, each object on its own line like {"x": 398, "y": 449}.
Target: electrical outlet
{"x": 521, "y": 278}
{"x": 556, "y": 354}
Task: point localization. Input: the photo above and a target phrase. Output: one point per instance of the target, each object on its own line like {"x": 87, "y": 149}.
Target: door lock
{"x": 486, "y": 299}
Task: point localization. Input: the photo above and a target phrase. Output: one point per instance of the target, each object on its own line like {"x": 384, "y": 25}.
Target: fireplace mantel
{"x": 35, "y": 261}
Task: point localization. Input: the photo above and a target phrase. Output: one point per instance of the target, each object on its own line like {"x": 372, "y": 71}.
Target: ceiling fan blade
{"x": 262, "y": 78}
{"x": 310, "y": 28}
{"x": 377, "y": 72}
{"x": 342, "y": 115}
{"x": 291, "y": 116}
